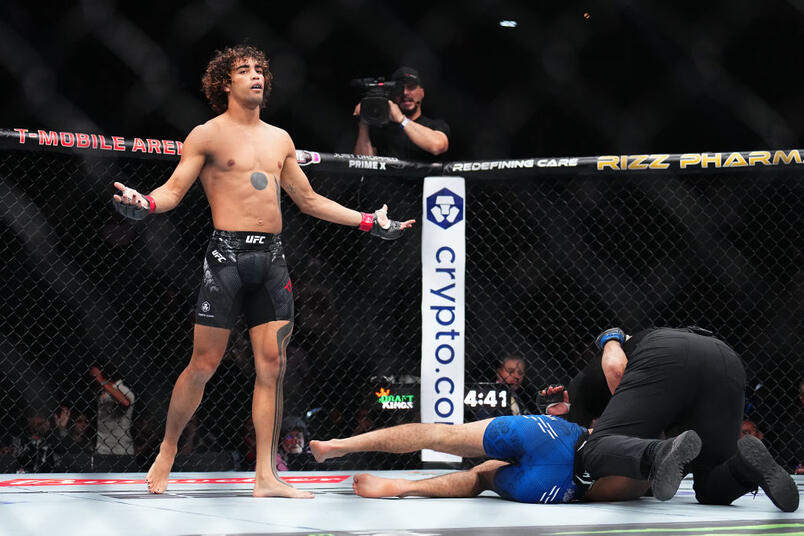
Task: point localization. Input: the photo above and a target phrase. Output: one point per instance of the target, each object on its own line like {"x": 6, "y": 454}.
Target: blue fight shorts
{"x": 541, "y": 449}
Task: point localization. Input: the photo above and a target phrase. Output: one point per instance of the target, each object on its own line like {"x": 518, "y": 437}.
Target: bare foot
{"x": 375, "y": 487}
{"x": 157, "y": 478}
{"x": 279, "y": 489}
{"x": 324, "y": 450}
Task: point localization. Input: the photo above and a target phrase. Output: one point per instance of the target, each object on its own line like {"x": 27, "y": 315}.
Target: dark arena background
{"x": 629, "y": 164}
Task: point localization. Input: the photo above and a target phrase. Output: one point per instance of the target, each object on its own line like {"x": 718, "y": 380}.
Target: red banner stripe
{"x": 327, "y": 479}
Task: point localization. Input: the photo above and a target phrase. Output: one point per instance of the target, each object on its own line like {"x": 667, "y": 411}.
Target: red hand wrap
{"x": 367, "y": 222}
{"x": 151, "y": 204}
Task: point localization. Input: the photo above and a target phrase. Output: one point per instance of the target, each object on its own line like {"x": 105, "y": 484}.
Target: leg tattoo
{"x": 282, "y": 340}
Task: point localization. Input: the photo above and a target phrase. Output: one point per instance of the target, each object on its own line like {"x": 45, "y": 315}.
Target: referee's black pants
{"x": 675, "y": 380}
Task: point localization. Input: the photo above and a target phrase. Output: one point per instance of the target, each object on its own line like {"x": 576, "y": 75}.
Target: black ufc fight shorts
{"x": 244, "y": 271}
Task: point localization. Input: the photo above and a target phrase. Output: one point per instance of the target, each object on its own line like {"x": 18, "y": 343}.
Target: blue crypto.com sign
{"x": 445, "y": 208}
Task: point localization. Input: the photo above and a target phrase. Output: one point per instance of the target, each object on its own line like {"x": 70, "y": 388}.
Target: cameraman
{"x": 408, "y": 135}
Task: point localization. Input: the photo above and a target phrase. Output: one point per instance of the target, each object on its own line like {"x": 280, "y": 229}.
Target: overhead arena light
{"x": 508, "y": 23}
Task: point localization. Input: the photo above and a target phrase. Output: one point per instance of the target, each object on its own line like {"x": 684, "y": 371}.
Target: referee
{"x": 686, "y": 382}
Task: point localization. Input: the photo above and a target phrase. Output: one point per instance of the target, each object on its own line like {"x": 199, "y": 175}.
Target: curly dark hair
{"x": 218, "y": 74}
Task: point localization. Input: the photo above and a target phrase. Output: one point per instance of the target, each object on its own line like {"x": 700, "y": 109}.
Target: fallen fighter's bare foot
{"x": 158, "y": 475}
{"x": 276, "y": 488}
{"x": 375, "y": 487}
{"x": 324, "y": 450}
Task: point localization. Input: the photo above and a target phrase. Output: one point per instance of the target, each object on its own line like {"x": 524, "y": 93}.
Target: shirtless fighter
{"x": 242, "y": 163}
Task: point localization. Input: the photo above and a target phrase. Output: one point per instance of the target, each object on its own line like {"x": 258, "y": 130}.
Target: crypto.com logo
{"x": 445, "y": 208}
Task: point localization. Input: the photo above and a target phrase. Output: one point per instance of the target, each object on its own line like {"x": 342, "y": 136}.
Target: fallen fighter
{"x": 533, "y": 458}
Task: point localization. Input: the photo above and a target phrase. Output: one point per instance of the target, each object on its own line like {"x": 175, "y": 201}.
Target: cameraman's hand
{"x": 363, "y": 143}
{"x": 394, "y": 113}
{"x": 362, "y": 128}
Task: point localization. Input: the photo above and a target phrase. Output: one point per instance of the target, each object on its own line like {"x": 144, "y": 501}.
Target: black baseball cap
{"x": 406, "y": 74}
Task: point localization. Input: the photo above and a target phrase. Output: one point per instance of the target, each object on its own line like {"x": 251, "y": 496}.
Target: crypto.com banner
{"x": 443, "y": 302}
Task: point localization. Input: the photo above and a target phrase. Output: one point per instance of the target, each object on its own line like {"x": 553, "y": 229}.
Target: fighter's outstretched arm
{"x": 132, "y": 204}
{"x": 297, "y": 186}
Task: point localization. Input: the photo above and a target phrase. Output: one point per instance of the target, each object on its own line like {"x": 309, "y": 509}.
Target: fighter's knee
{"x": 267, "y": 358}
{"x": 200, "y": 370}
{"x": 267, "y": 368}
{"x": 266, "y": 362}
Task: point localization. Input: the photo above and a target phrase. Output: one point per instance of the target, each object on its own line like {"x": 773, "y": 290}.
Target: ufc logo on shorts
{"x": 255, "y": 239}
{"x": 218, "y": 256}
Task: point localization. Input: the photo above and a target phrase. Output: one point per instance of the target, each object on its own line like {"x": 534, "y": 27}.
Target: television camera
{"x": 375, "y": 93}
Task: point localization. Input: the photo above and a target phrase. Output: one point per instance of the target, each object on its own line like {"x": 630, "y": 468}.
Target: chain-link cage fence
{"x": 552, "y": 259}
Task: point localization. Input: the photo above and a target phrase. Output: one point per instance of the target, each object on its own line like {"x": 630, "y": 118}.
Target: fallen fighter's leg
{"x": 464, "y": 440}
{"x": 533, "y": 457}
{"x": 458, "y": 484}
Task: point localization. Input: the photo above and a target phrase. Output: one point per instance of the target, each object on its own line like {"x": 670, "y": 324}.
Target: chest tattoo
{"x": 259, "y": 180}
